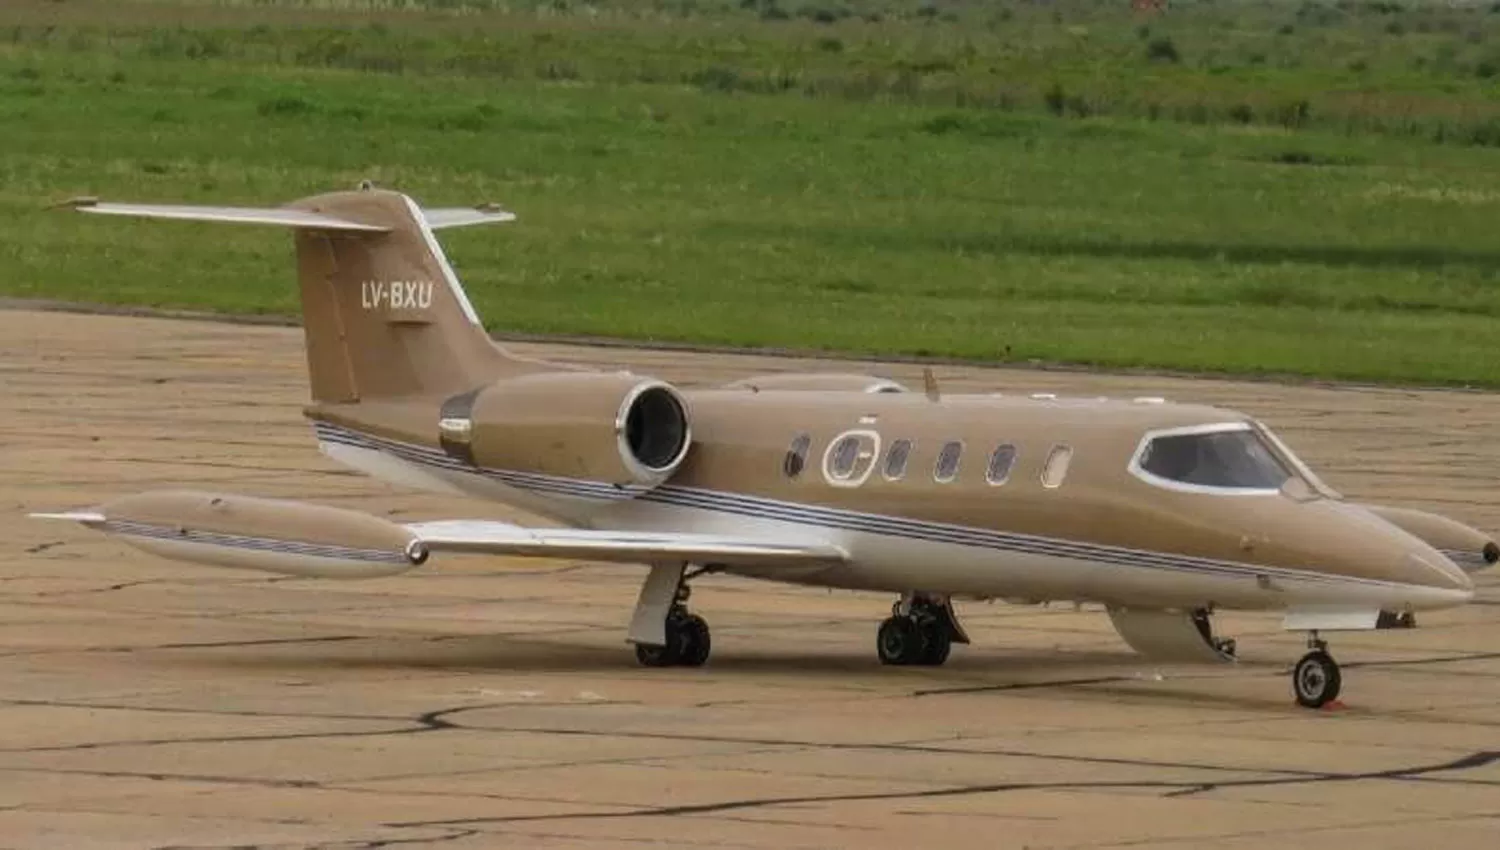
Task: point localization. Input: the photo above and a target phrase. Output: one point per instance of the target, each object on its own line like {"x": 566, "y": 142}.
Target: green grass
{"x": 660, "y": 200}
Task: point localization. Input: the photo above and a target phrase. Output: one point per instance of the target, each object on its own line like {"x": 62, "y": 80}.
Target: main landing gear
{"x": 920, "y": 631}
{"x": 688, "y": 643}
{"x": 664, "y": 632}
{"x": 1316, "y": 678}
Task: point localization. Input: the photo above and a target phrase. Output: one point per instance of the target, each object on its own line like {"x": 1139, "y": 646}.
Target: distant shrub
{"x": 1484, "y": 133}
{"x": 1056, "y": 99}
{"x": 467, "y": 120}
{"x": 1241, "y": 113}
{"x": 559, "y": 69}
{"x": 716, "y": 78}
{"x": 1484, "y": 69}
{"x": 823, "y": 14}
{"x": 285, "y": 105}
{"x": 829, "y": 44}
{"x": 1162, "y": 50}
{"x": 976, "y": 124}
{"x": 1302, "y": 157}
{"x": 1294, "y": 114}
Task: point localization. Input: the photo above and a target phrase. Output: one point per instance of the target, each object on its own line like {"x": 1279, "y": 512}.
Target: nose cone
{"x": 1435, "y": 569}
{"x": 1417, "y": 575}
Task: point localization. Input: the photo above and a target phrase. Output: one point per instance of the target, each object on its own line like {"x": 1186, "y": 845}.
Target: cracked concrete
{"x": 486, "y": 702}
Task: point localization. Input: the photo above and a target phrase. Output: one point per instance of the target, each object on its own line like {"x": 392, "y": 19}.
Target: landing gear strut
{"x": 664, "y": 632}
{"x": 920, "y": 631}
{"x": 1316, "y": 678}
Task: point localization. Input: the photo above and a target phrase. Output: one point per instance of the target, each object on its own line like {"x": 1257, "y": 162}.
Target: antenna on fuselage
{"x": 929, "y": 382}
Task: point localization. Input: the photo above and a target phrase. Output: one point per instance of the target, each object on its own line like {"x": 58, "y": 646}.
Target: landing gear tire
{"x": 688, "y": 644}
{"x": 1316, "y": 679}
{"x": 938, "y": 643}
{"x": 698, "y": 641}
{"x": 901, "y": 641}
{"x": 908, "y": 641}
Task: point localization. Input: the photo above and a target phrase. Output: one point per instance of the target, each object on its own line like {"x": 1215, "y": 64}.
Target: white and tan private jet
{"x": 1162, "y": 513}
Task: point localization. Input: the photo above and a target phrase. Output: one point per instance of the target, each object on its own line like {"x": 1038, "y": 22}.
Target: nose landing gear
{"x": 1315, "y": 678}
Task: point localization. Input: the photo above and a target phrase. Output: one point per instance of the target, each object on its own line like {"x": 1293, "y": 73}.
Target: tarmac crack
{"x": 1181, "y": 789}
{"x": 430, "y": 721}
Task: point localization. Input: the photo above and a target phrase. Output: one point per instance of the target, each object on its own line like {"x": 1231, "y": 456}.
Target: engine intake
{"x": 611, "y": 427}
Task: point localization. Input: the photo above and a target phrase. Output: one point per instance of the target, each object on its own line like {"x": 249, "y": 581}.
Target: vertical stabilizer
{"x": 383, "y": 313}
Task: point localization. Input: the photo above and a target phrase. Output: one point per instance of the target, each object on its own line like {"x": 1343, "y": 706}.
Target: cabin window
{"x": 1056, "y": 468}
{"x": 947, "y": 463}
{"x": 796, "y": 456}
{"x": 1001, "y": 460}
{"x": 1231, "y": 456}
{"x": 895, "y": 460}
{"x": 843, "y": 456}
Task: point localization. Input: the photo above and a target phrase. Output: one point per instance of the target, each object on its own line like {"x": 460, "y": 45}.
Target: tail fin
{"x": 383, "y": 313}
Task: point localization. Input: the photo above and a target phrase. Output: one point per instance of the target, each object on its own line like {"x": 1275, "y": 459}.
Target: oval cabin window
{"x": 796, "y": 456}
{"x": 947, "y": 463}
{"x": 843, "y": 457}
{"x": 895, "y": 460}
{"x": 1056, "y": 468}
{"x": 1003, "y": 458}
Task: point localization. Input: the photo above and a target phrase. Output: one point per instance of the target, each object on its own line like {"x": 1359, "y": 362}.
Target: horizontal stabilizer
{"x": 499, "y": 538}
{"x": 442, "y": 217}
{"x": 437, "y": 218}
{"x": 235, "y": 215}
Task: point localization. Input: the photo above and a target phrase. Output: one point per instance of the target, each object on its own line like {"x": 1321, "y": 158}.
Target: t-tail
{"x": 384, "y": 315}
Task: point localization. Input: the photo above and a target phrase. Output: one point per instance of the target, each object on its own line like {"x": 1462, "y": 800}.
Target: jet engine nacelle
{"x": 611, "y": 427}
{"x": 819, "y": 381}
{"x": 1468, "y": 548}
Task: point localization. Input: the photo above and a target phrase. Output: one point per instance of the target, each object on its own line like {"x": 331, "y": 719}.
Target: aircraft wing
{"x": 302, "y": 539}
{"x": 500, "y": 538}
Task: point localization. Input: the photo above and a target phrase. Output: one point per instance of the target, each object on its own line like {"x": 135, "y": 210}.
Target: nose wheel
{"x": 1315, "y": 678}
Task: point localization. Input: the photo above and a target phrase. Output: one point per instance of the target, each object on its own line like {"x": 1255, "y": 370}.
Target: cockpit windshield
{"x": 1228, "y": 457}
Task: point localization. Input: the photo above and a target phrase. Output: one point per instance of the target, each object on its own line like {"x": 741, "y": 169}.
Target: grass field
{"x": 1290, "y": 188}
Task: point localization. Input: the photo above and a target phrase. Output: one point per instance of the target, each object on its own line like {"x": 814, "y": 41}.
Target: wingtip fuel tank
{"x": 271, "y": 535}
